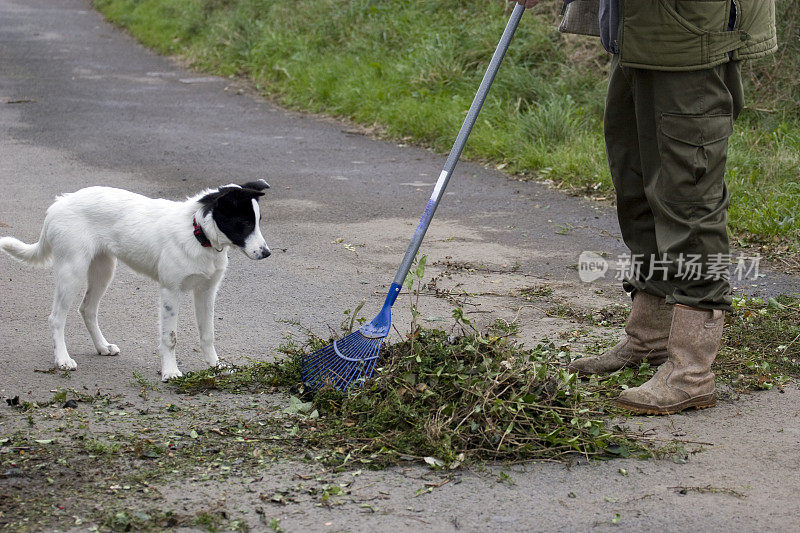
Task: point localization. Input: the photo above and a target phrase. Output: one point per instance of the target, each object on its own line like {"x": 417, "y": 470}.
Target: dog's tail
{"x": 37, "y": 254}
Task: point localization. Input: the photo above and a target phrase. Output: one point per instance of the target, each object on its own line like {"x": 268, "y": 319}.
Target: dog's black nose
{"x": 265, "y": 253}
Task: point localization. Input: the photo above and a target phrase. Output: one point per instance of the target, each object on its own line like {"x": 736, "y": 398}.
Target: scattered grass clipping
{"x": 762, "y": 344}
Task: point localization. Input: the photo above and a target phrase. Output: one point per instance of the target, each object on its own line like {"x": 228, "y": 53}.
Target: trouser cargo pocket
{"x": 693, "y": 151}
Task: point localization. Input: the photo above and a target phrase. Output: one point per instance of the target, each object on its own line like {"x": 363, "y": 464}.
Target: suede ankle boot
{"x": 646, "y": 334}
{"x": 685, "y": 380}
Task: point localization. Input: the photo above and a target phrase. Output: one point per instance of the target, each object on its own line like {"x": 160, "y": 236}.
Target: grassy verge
{"x": 411, "y": 67}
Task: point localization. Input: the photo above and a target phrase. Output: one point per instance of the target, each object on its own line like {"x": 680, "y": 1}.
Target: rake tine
{"x": 318, "y": 361}
{"x": 314, "y": 365}
{"x": 370, "y": 370}
{"x": 369, "y": 364}
{"x": 342, "y": 362}
{"x": 313, "y": 371}
{"x": 361, "y": 350}
{"x": 359, "y": 379}
{"x": 366, "y": 374}
{"x": 316, "y": 372}
{"x": 330, "y": 370}
{"x": 339, "y": 369}
{"x": 354, "y": 372}
{"x": 320, "y": 355}
{"x": 341, "y": 383}
{"x": 348, "y": 371}
{"x": 343, "y": 380}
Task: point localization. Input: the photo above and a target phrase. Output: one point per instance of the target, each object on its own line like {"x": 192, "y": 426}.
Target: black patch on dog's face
{"x": 232, "y": 211}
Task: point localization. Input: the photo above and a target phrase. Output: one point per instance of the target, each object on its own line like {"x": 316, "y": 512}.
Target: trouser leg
{"x": 682, "y": 121}
{"x": 636, "y": 219}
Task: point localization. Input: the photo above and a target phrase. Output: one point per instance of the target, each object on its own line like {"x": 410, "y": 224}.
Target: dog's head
{"x": 235, "y": 213}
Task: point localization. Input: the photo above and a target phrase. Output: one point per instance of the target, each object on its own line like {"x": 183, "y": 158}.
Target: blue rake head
{"x": 351, "y": 359}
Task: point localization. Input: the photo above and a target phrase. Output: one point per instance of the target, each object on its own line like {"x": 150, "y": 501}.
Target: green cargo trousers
{"x": 667, "y": 142}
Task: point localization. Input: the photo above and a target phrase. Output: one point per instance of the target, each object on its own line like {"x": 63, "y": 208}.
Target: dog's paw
{"x": 108, "y": 349}
{"x": 167, "y": 375}
{"x": 66, "y": 364}
{"x": 210, "y": 356}
{"x": 217, "y": 363}
{"x": 224, "y": 367}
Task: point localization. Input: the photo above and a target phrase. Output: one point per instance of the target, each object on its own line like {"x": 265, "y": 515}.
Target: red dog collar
{"x": 200, "y": 235}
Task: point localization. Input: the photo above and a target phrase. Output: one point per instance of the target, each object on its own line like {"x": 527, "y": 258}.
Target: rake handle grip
{"x": 455, "y": 152}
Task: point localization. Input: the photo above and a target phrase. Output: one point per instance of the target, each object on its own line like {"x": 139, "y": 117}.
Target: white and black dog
{"x": 181, "y": 245}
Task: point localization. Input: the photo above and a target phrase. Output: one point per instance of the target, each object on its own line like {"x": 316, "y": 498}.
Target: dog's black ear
{"x": 236, "y": 194}
{"x": 229, "y": 195}
{"x": 209, "y": 201}
{"x": 258, "y": 185}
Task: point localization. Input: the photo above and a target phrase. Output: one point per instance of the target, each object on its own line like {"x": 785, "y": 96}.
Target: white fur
{"x": 84, "y": 234}
{"x": 254, "y": 243}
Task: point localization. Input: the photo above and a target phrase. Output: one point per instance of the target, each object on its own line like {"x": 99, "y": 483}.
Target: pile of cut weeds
{"x": 476, "y": 395}
{"x": 447, "y": 398}
{"x": 472, "y": 396}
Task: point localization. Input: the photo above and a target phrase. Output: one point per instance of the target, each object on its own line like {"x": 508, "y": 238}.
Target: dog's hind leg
{"x": 168, "y": 314}
{"x": 99, "y": 275}
{"x": 69, "y": 278}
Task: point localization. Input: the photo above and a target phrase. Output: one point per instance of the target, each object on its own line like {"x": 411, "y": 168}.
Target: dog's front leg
{"x": 168, "y": 321}
{"x": 204, "y": 297}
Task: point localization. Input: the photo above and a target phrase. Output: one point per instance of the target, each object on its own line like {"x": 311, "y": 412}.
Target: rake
{"x": 352, "y": 359}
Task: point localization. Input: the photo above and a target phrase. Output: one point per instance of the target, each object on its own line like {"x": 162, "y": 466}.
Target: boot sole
{"x": 701, "y": 402}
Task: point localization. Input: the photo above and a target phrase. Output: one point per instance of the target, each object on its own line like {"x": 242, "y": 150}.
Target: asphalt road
{"x": 81, "y": 104}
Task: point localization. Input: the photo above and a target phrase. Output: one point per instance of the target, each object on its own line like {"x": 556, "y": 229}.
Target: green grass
{"x": 411, "y": 68}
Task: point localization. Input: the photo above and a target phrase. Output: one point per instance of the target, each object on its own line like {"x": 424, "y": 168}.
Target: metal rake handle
{"x": 458, "y": 147}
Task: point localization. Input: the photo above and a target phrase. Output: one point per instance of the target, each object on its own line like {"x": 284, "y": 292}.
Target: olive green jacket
{"x": 694, "y": 34}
